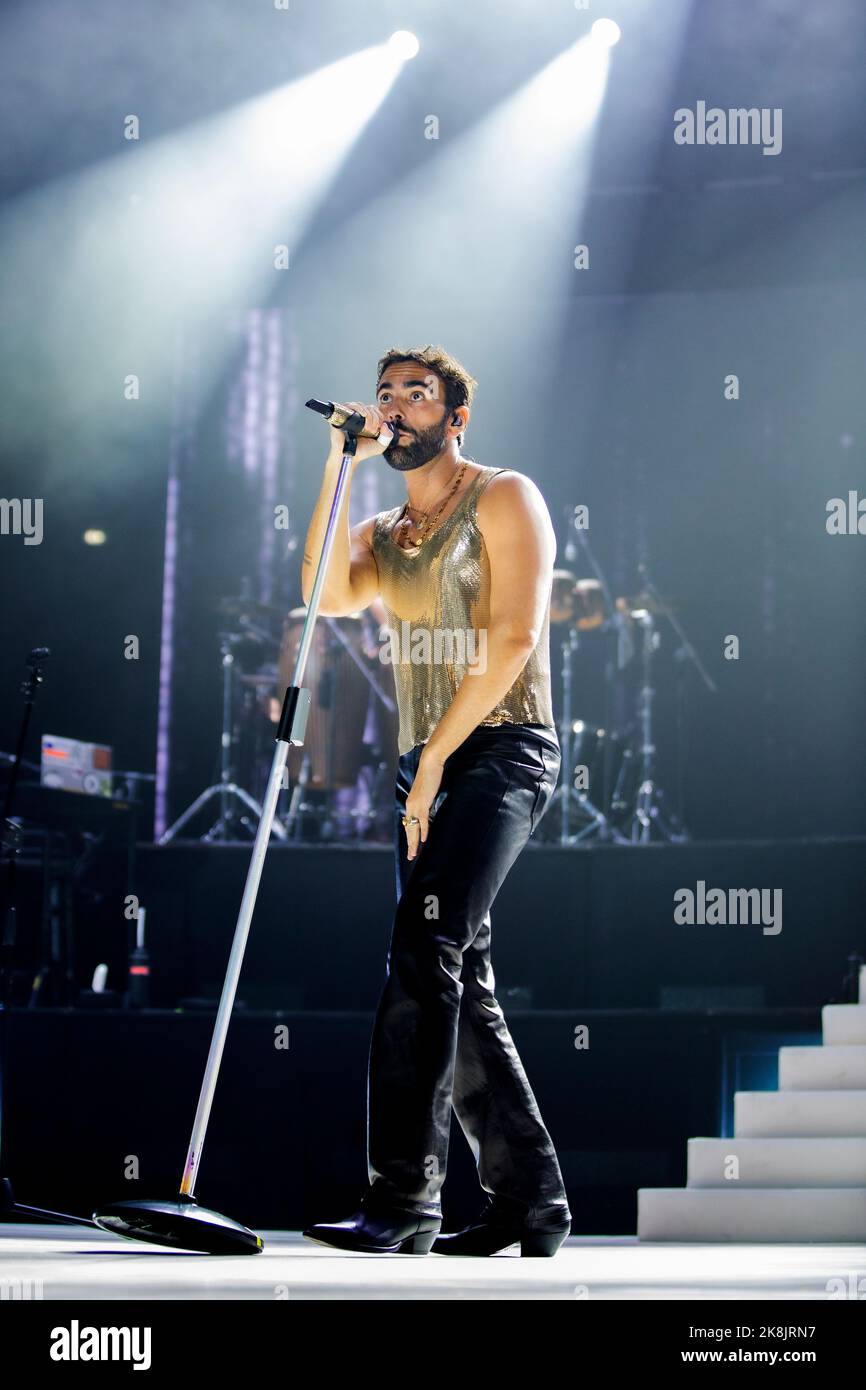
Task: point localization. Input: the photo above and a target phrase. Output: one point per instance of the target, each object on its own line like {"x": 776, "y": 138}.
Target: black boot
{"x": 503, "y": 1223}
{"x": 379, "y": 1227}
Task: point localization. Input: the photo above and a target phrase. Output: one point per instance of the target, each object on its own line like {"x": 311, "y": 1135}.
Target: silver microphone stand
{"x": 180, "y": 1221}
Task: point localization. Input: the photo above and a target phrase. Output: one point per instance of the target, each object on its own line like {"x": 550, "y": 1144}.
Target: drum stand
{"x": 684, "y": 653}
{"x": 225, "y": 827}
{"x": 568, "y": 797}
{"x": 648, "y": 817}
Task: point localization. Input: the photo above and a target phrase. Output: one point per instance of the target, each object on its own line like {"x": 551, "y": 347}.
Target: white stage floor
{"x": 64, "y": 1262}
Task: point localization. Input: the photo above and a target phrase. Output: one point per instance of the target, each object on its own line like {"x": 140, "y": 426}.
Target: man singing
{"x": 464, "y": 570}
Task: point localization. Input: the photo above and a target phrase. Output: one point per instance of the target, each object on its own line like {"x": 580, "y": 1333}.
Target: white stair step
{"x": 822, "y": 1068}
{"x": 797, "y": 1162}
{"x": 751, "y": 1215}
{"x": 824, "y": 1114}
{"x": 843, "y": 1024}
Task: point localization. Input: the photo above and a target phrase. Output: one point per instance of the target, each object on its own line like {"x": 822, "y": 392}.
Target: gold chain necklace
{"x": 425, "y": 525}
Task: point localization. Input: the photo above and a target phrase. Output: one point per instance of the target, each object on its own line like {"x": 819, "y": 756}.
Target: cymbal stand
{"x": 649, "y": 819}
{"x": 571, "y": 801}
{"x": 224, "y": 828}
{"x": 684, "y": 654}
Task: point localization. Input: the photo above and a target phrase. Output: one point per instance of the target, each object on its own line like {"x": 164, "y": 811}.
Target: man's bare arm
{"x": 521, "y": 546}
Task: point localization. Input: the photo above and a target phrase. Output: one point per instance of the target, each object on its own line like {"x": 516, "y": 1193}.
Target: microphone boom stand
{"x": 180, "y": 1221}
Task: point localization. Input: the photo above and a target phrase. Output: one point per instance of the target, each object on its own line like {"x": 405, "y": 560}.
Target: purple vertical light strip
{"x": 166, "y": 658}
{"x": 291, "y": 539}
{"x": 271, "y": 382}
{"x": 234, "y": 422}
{"x": 252, "y": 393}
{"x": 169, "y": 585}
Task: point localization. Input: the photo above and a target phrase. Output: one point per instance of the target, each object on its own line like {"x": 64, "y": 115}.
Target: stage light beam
{"x": 521, "y": 176}
{"x": 182, "y": 230}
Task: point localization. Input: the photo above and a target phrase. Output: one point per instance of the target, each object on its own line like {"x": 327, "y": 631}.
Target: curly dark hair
{"x": 459, "y": 385}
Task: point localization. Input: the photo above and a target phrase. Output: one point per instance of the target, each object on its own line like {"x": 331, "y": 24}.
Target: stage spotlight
{"x": 403, "y": 44}
{"x": 605, "y": 32}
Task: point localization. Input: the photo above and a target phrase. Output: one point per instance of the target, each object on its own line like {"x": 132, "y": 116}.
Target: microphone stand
{"x": 10, "y": 846}
{"x": 180, "y": 1221}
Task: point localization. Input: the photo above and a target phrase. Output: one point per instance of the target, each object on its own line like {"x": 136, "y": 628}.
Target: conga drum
{"x": 339, "y": 698}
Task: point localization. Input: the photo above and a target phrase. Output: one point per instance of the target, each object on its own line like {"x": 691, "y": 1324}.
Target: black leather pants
{"x": 439, "y": 1037}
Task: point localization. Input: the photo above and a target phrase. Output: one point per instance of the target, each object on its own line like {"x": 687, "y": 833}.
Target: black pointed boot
{"x": 379, "y": 1227}
{"x": 502, "y": 1223}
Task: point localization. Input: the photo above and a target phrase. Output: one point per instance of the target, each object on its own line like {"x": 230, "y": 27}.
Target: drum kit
{"x": 609, "y": 790}
{"x": 610, "y": 793}
{"x": 340, "y": 781}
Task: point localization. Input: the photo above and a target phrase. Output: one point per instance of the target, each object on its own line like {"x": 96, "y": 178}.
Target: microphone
{"x": 342, "y": 418}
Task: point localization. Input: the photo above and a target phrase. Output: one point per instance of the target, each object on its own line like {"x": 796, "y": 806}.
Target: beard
{"x": 424, "y": 445}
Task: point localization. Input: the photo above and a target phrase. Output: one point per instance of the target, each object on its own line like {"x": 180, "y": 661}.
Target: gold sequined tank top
{"x": 438, "y": 608}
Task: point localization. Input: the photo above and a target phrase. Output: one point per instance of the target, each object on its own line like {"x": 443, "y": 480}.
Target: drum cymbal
{"x": 577, "y": 601}
{"x": 561, "y": 596}
{"x": 591, "y": 611}
{"x": 234, "y": 606}
{"x": 647, "y": 602}
{"x": 297, "y": 615}
{"x": 260, "y": 679}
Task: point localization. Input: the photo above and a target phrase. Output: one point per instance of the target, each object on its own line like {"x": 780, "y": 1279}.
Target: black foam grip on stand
{"x": 287, "y": 717}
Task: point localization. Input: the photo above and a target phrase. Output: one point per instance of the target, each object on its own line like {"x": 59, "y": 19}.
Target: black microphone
{"x": 342, "y": 418}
